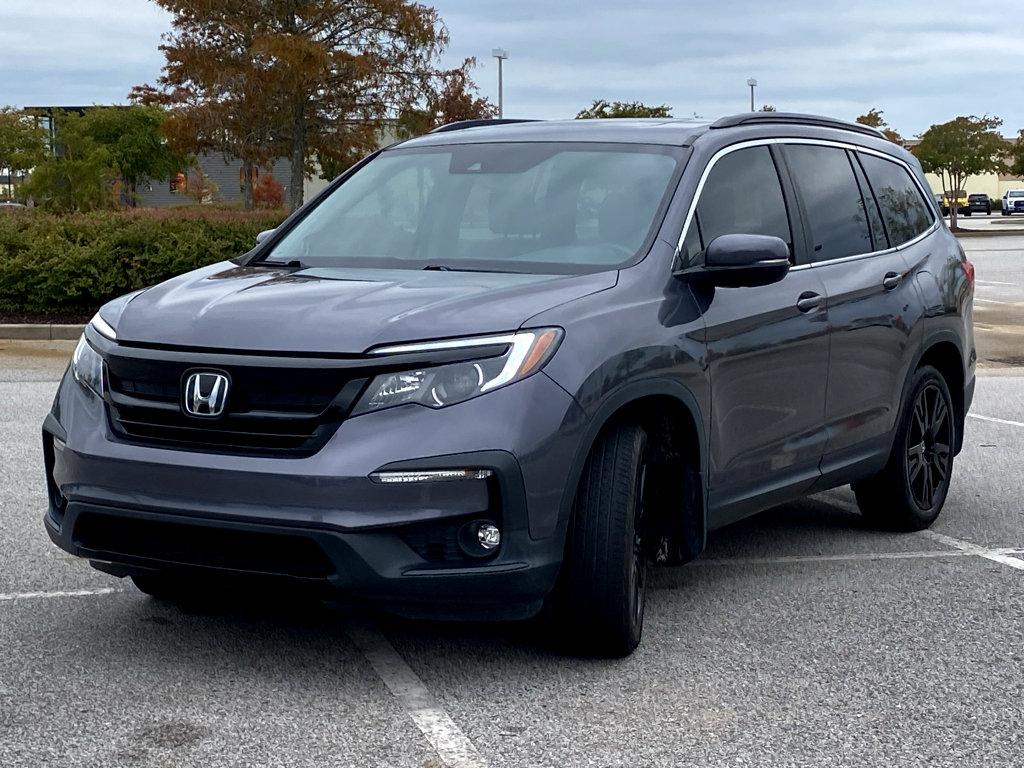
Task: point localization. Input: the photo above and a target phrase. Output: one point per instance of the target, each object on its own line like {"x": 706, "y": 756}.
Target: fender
{"x": 930, "y": 340}
{"x": 600, "y": 417}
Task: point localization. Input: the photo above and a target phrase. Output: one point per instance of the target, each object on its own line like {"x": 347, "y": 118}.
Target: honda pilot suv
{"x": 506, "y": 367}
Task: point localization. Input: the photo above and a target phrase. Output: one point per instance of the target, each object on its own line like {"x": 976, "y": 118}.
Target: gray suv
{"x": 505, "y": 367}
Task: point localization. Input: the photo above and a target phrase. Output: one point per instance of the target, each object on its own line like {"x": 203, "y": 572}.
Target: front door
{"x": 767, "y": 348}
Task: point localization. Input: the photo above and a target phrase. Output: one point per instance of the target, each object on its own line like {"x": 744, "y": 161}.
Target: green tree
{"x": 1016, "y": 155}
{"x": 136, "y": 148}
{"x": 605, "y": 109}
{"x": 963, "y": 147}
{"x": 874, "y": 118}
{"x": 310, "y": 73}
{"x": 80, "y": 177}
{"x": 22, "y": 143}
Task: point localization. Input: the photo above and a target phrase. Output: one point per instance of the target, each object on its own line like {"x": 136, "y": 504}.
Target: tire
{"x": 600, "y": 602}
{"x": 908, "y": 494}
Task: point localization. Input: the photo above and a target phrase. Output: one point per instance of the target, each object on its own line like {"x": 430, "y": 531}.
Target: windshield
{"x": 1017, "y": 193}
{"x": 517, "y": 207}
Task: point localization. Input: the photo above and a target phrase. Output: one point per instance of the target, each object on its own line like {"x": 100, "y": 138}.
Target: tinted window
{"x": 742, "y": 194}
{"x": 879, "y": 240}
{"x": 835, "y": 211}
{"x": 517, "y": 207}
{"x": 904, "y": 211}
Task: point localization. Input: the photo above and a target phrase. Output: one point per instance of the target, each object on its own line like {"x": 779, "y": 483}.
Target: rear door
{"x": 870, "y": 296}
{"x": 767, "y": 346}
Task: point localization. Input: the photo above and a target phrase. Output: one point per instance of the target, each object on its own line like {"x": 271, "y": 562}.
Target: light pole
{"x": 500, "y": 54}
{"x": 752, "y": 83}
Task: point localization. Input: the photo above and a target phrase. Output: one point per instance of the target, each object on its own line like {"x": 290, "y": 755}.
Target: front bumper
{"x": 133, "y": 509}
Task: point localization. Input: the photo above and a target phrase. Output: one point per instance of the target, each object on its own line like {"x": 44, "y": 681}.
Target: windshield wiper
{"x": 294, "y": 264}
{"x": 449, "y": 268}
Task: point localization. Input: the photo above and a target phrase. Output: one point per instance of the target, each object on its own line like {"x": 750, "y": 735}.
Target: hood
{"x": 338, "y": 310}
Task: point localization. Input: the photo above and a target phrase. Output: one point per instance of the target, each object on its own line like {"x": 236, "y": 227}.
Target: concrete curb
{"x": 46, "y": 332}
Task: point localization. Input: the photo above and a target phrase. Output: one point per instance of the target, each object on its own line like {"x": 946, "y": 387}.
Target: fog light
{"x": 488, "y": 535}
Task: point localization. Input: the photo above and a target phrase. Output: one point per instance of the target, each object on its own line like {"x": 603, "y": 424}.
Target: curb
{"x": 46, "y": 332}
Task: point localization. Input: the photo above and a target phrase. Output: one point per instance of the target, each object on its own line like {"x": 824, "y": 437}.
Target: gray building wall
{"x": 225, "y": 174}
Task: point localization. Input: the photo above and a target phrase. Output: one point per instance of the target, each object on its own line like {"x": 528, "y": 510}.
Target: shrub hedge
{"x": 74, "y": 263}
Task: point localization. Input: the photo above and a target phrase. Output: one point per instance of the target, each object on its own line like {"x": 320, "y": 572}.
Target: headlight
{"x": 439, "y": 386}
{"x": 87, "y": 367}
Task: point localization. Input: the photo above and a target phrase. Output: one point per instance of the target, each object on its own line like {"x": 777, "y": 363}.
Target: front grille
{"x": 283, "y": 410}
{"x": 121, "y": 537}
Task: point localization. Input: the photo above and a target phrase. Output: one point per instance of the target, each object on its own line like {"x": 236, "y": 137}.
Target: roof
{"x": 670, "y": 131}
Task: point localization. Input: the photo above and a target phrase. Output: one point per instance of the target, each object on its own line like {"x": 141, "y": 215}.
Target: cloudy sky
{"x": 831, "y": 57}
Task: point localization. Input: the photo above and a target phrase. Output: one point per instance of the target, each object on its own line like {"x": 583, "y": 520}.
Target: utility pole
{"x": 752, "y": 83}
{"x": 500, "y": 54}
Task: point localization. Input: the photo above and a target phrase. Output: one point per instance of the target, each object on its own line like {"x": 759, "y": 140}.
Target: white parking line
{"x": 991, "y": 301}
{"x": 994, "y": 283}
{"x": 969, "y": 548}
{"x": 846, "y": 557}
{"x": 452, "y": 745}
{"x": 997, "y": 420}
{"x": 56, "y": 594}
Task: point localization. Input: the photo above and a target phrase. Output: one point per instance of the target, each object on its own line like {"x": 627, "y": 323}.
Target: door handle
{"x": 809, "y": 301}
{"x": 891, "y": 280}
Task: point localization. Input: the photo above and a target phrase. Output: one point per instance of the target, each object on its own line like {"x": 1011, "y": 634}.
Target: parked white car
{"x": 1013, "y": 202}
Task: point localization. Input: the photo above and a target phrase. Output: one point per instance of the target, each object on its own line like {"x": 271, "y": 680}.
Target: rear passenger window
{"x": 831, "y": 198}
{"x": 743, "y": 195}
{"x": 904, "y": 211}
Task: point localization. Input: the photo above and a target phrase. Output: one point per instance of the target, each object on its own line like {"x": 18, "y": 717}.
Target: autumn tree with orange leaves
{"x": 301, "y": 79}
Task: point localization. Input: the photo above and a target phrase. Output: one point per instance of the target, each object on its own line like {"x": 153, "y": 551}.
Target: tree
{"x": 22, "y": 143}
{"x": 453, "y": 95}
{"x": 605, "y": 109}
{"x": 136, "y": 149}
{"x": 80, "y": 178}
{"x": 874, "y": 118}
{"x": 1016, "y": 164}
{"x": 963, "y": 147}
{"x": 310, "y": 73}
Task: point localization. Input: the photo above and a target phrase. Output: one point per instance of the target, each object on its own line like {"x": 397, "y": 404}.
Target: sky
{"x": 921, "y": 61}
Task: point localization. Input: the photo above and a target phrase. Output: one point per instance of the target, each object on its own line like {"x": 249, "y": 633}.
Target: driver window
{"x": 742, "y": 195}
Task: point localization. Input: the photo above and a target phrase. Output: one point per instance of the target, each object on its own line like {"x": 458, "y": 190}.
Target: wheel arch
{"x": 653, "y": 403}
{"x": 944, "y": 352}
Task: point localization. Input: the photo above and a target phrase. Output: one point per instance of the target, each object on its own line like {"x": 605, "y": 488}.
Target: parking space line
{"x": 846, "y": 557}
{"x": 995, "y": 283}
{"x": 997, "y": 420}
{"x": 57, "y": 594}
{"x": 969, "y": 548}
{"x": 452, "y": 745}
{"x": 991, "y": 301}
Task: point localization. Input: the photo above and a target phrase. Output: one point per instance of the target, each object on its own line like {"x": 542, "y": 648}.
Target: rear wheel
{"x": 600, "y": 603}
{"x": 908, "y": 494}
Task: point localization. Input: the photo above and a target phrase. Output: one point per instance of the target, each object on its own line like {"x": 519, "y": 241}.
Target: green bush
{"x": 74, "y": 263}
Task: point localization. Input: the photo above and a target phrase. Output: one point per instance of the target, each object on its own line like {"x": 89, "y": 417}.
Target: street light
{"x": 500, "y": 54}
{"x": 752, "y": 83}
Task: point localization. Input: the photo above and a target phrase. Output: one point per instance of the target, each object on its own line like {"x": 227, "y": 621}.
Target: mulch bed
{"x": 47, "y": 317}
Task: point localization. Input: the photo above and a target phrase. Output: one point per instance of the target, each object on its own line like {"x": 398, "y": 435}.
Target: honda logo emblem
{"x": 206, "y": 392}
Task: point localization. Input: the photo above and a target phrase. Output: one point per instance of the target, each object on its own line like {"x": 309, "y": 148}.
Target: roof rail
{"x": 794, "y": 118}
{"x": 458, "y": 125}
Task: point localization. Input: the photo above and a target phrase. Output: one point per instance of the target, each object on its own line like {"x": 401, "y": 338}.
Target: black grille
{"x": 269, "y": 410}
{"x": 122, "y": 537}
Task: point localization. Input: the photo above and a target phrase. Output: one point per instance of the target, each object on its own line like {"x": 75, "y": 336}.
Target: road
{"x": 998, "y": 297}
{"x": 799, "y": 637}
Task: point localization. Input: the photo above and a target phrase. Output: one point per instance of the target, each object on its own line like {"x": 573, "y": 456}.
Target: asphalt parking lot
{"x": 799, "y": 638}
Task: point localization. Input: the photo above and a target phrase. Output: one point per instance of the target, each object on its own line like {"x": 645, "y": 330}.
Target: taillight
{"x": 968, "y": 270}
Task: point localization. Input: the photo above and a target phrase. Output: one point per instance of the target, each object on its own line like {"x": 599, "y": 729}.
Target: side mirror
{"x": 732, "y": 261}
{"x": 263, "y": 236}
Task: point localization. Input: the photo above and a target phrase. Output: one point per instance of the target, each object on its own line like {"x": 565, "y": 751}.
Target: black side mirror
{"x": 732, "y": 261}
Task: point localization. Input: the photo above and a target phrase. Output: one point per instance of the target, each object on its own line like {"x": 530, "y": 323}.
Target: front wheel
{"x": 600, "y": 601}
{"x": 908, "y": 494}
